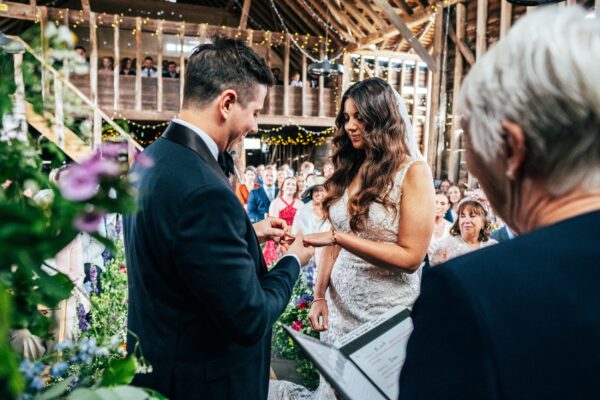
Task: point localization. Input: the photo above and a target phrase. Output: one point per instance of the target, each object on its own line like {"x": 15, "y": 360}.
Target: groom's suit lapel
{"x": 186, "y": 137}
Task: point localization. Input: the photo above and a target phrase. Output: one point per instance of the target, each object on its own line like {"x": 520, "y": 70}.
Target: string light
{"x": 303, "y": 137}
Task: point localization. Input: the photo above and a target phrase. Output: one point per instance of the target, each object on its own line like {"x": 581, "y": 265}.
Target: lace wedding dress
{"x": 359, "y": 291}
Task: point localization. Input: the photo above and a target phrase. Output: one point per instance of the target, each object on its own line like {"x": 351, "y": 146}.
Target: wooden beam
{"x": 347, "y": 72}
{"x": 415, "y": 95}
{"x": 505, "y": 17}
{"x": 97, "y": 123}
{"x": 117, "y": 64}
{"x": 388, "y": 54}
{"x": 402, "y": 81}
{"x": 435, "y": 90}
{"x": 453, "y": 165}
{"x": 359, "y": 17}
{"x": 308, "y": 22}
{"x": 368, "y": 9}
{"x": 361, "y": 69}
{"x": 341, "y": 30}
{"x": 340, "y": 17}
{"x": 43, "y": 18}
{"x": 403, "y": 5}
{"x": 245, "y": 13}
{"x": 59, "y": 118}
{"x": 321, "y": 85}
{"x": 481, "y": 36}
{"x": 406, "y": 33}
{"x": 427, "y": 123}
{"x": 85, "y": 5}
{"x": 138, "y": 64}
{"x": 286, "y": 76}
{"x": 304, "y": 86}
{"x": 159, "y": 62}
{"x": 412, "y": 21}
{"x": 420, "y": 36}
{"x": 33, "y": 4}
{"x": 460, "y": 44}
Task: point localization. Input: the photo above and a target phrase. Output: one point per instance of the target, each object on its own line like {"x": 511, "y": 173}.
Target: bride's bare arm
{"x": 318, "y": 308}
{"x": 417, "y": 217}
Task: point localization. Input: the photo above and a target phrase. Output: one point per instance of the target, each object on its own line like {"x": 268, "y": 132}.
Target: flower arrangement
{"x": 295, "y": 316}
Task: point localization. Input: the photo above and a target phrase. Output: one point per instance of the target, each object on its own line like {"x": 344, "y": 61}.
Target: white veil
{"x": 411, "y": 141}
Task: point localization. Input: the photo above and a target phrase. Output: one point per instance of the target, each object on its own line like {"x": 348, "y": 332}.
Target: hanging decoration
{"x": 303, "y": 137}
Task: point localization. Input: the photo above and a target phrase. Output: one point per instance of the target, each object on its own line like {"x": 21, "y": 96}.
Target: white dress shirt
{"x": 212, "y": 145}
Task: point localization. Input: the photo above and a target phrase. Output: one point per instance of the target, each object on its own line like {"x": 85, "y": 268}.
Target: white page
{"x": 382, "y": 358}
{"x": 338, "y": 369}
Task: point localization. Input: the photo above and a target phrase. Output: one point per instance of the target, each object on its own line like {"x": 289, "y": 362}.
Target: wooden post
{"x": 453, "y": 165}
{"x": 43, "y": 17}
{"x": 390, "y": 71}
{"x": 116, "y": 69}
{"x": 138, "y": 63}
{"x": 427, "y": 122}
{"x": 415, "y": 95}
{"x": 65, "y": 60}
{"x": 505, "y": 17}
{"x": 348, "y": 70}
{"x": 181, "y": 66}
{"x": 305, "y": 85}
{"x": 434, "y": 122}
{"x": 481, "y": 38}
{"x": 402, "y": 82}
{"x": 361, "y": 69}
{"x": 573, "y": 2}
{"x": 286, "y": 76}
{"x": 250, "y": 38}
{"x": 159, "y": 86}
{"x": 245, "y": 13}
{"x": 19, "y": 106}
{"x": 321, "y": 84}
{"x": 376, "y": 68}
{"x": 97, "y": 123}
{"x": 59, "y": 119}
{"x": 33, "y": 4}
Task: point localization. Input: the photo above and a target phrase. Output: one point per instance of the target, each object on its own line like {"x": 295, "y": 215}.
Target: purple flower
{"x": 106, "y": 256}
{"x": 88, "y": 221}
{"x": 81, "y": 314}
{"x": 144, "y": 161}
{"x": 99, "y": 166}
{"x": 113, "y": 150}
{"x": 77, "y": 184}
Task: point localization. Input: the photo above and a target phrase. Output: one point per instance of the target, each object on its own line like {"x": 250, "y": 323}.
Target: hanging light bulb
{"x": 325, "y": 67}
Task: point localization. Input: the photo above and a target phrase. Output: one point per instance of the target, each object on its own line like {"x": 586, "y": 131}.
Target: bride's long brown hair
{"x": 384, "y": 151}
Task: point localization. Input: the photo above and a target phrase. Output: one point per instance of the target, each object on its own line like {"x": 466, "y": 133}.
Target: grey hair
{"x": 545, "y": 77}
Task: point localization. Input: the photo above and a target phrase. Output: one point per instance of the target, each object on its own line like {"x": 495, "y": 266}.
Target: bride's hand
{"x": 319, "y": 239}
{"x": 319, "y": 310}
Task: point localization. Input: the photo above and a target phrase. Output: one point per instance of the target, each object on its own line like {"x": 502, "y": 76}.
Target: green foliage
{"x": 11, "y": 382}
{"x": 296, "y": 317}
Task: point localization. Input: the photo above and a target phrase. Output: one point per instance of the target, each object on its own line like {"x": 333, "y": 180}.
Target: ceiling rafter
{"x": 352, "y": 11}
{"x": 341, "y": 32}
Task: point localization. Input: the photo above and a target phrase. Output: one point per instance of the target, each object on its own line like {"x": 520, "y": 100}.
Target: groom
{"x": 201, "y": 301}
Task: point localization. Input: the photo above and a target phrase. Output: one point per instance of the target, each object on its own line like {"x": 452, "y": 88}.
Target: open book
{"x": 367, "y": 362}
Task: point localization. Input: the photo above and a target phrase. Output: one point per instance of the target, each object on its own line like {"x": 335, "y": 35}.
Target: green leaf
{"x": 56, "y": 390}
{"x": 119, "y": 372}
{"x": 54, "y": 288}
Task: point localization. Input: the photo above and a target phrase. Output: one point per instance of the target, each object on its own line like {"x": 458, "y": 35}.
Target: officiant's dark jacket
{"x": 517, "y": 320}
{"x": 200, "y": 298}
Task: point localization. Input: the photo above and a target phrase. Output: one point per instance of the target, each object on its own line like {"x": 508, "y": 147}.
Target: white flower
{"x": 65, "y": 35}
{"x": 51, "y": 30}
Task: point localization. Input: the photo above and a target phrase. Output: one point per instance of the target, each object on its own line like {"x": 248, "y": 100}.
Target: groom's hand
{"x": 271, "y": 228}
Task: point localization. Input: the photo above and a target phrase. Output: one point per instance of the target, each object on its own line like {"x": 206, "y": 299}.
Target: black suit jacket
{"x": 518, "y": 320}
{"x": 258, "y": 203}
{"x": 200, "y": 298}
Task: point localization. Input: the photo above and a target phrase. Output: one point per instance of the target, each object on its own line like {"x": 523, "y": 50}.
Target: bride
{"x": 381, "y": 204}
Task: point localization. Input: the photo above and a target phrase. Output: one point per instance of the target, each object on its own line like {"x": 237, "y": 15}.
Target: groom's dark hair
{"x": 221, "y": 65}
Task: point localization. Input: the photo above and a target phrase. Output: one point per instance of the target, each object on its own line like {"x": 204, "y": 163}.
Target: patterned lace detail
{"x": 359, "y": 291}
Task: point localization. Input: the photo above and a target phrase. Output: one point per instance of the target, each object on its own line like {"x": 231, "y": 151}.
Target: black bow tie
{"x": 226, "y": 162}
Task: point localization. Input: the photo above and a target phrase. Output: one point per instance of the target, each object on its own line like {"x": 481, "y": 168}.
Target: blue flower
{"x": 67, "y": 344}
{"x": 26, "y": 368}
{"x": 58, "y": 369}
{"x": 87, "y": 287}
{"x": 37, "y": 383}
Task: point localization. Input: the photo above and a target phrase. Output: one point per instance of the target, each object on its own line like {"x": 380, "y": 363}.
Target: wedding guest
{"x": 277, "y": 75}
{"x": 471, "y": 231}
{"x": 127, "y": 67}
{"x": 445, "y": 185}
{"x": 296, "y": 82}
{"x": 281, "y": 175}
{"x": 107, "y": 65}
{"x": 307, "y": 168}
{"x": 260, "y": 198}
{"x": 259, "y": 173}
{"x": 148, "y": 69}
{"x": 310, "y": 218}
{"x": 243, "y": 190}
{"x": 519, "y": 320}
{"x": 289, "y": 172}
{"x": 286, "y": 204}
{"x": 441, "y": 229}
{"x": 81, "y": 52}
{"x": 301, "y": 181}
{"x": 328, "y": 169}
{"x": 454, "y": 195}
{"x": 171, "y": 71}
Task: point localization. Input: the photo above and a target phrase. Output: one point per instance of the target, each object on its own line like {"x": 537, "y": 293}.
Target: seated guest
{"x": 296, "y": 82}
{"x": 520, "y": 320}
{"x": 471, "y": 231}
{"x": 127, "y": 67}
{"x": 260, "y": 198}
{"x": 243, "y": 190}
{"x": 148, "y": 69}
{"x": 107, "y": 65}
{"x": 441, "y": 229}
{"x": 171, "y": 71}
